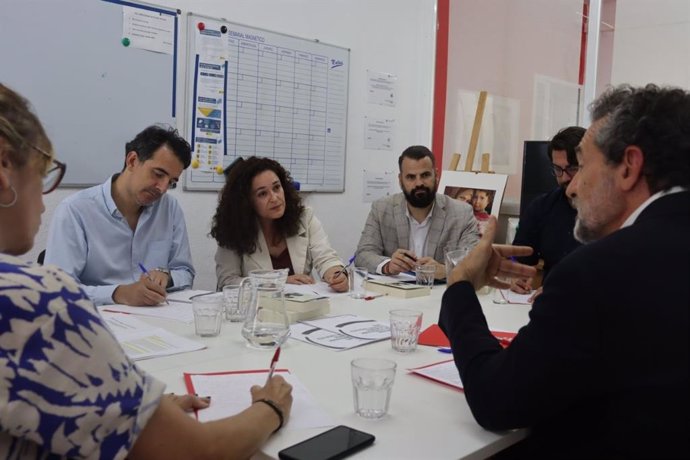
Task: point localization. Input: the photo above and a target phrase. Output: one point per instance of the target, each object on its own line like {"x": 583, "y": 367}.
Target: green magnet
{"x": 125, "y": 41}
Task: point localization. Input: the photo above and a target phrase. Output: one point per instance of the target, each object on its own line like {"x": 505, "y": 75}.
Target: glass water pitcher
{"x": 266, "y": 325}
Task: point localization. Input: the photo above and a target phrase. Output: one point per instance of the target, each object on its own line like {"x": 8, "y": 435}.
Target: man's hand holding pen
{"x": 143, "y": 292}
{"x": 149, "y": 290}
{"x": 402, "y": 260}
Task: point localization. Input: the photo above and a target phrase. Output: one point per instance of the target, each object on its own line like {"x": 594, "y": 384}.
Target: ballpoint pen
{"x": 373, "y": 296}
{"x": 444, "y": 350}
{"x": 274, "y": 361}
{"x": 344, "y": 269}
{"x": 148, "y": 275}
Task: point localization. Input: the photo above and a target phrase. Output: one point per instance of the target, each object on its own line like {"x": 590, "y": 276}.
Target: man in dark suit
{"x": 601, "y": 370}
{"x": 548, "y": 222}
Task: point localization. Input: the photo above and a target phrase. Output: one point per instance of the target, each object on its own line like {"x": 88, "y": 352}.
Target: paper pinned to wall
{"x": 381, "y": 88}
{"x": 148, "y": 30}
{"x": 377, "y": 184}
{"x": 379, "y": 133}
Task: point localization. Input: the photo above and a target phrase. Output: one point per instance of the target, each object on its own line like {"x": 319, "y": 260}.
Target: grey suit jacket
{"x": 453, "y": 226}
{"x": 309, "y": 250}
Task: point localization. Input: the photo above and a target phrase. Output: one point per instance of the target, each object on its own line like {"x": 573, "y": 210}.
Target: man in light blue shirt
{"x": 125, "y": 240}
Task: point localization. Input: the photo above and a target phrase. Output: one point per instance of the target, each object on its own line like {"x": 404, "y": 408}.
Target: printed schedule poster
{"x": 262, "y": 93}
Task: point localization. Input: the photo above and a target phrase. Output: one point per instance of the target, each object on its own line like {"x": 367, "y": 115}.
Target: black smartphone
{"x": 338, "y": 442}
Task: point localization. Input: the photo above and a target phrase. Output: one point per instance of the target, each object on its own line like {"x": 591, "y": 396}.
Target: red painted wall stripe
{"x": 440, "y": 80}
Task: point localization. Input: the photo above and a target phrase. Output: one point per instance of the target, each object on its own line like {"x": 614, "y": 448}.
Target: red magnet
{"x": 201, "y": 26}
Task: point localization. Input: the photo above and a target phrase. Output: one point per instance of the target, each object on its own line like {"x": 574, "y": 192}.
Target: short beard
{"x": 599, "y": 218}
{"x": 584, "y": 234}
{"x": 421, "y": 201}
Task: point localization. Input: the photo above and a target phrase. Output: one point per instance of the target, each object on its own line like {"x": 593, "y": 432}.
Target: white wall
{"x": 394, "y": 36}
{"x": 652, "y": 42}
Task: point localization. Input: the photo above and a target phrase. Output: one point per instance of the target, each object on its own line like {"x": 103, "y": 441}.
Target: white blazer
{"x": 309, "y": 250}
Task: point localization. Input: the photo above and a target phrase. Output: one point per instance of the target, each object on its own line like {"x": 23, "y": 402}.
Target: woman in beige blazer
{"x": 260, "y": 223}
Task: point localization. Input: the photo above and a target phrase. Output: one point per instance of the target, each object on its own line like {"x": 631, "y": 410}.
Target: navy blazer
{"x": 601, "y": 370}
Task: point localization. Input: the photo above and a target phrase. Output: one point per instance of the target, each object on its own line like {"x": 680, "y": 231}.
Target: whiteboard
{"x": 92, "y": 93}
{"x": 256, "y": 92}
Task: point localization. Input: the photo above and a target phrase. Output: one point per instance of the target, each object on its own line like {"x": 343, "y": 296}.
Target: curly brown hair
{"x": 236, "y": 225}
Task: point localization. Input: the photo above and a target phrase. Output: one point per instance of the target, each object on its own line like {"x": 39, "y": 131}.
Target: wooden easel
{"x": 474, "y": 140}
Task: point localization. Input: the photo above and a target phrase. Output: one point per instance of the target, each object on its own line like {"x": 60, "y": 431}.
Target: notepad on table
{"x": 443, "y": 372}
{"x": 229, "y": 392}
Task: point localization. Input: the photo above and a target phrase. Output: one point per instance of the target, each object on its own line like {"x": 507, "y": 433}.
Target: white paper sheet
{"x": 148, "y": 30}
{"x": 142, "y": 341}
{"x": 230, "y": 395}
{"x": 353, "y": 326}
{"x": 377, "y": 184}
{"x": 324, "y": 338}
{"x": 186, "y": 295}
{"x": 319, "y": 289}
{"x": 381, "y": 88}
{"x": 443, "y": 372}
{"x": 379, "y": 133}
{"x": 176, "y": 310}
{"x": 515, "y": 298}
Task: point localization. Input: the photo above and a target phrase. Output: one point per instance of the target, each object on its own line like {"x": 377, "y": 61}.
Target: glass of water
{"x": 454, "y": 256}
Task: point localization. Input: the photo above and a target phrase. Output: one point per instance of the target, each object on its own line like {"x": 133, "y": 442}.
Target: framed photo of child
{"x": 482, "y": 191}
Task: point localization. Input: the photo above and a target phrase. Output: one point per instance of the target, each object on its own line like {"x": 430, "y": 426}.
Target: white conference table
{"x": 425, "y": 420}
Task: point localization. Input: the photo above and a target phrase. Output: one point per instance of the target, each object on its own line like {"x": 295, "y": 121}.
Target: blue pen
{"x": 349, "y": 262}
{"x": 444, "y": 350}
{"x": 148, "y": 275}
{"x": 144, "y": 270}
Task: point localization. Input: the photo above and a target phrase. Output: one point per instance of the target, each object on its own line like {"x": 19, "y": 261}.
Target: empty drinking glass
{"x": 208, "y": 313}
{"x": 372, "y": 385}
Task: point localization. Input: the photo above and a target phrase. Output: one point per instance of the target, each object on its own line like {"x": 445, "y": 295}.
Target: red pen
{"x": 372, "y": 297}
{"x": 274, "y": 361}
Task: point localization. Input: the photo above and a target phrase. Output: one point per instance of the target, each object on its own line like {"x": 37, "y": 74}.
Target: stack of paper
{"x": 141, "y": 340}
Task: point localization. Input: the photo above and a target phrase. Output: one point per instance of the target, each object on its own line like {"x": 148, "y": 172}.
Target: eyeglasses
{"x": 55, "y": 173}
{"x": 570, "y": 169}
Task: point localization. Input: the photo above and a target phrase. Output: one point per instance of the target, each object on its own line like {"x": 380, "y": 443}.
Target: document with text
{"x": 140, "y": 340}
{"x": 443, "y": 372}
{"x": 229, "y": 392}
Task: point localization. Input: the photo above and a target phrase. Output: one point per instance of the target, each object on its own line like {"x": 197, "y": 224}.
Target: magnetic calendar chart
{"x": 256, "y": 92}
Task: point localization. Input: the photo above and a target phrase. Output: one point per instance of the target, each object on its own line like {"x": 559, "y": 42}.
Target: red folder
{"x": 434, "y": 336}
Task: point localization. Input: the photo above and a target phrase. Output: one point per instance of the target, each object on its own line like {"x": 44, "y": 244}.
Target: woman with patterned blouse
{"x": 67, "y": 389}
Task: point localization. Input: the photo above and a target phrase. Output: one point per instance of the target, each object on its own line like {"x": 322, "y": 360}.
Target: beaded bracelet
{"x": 275, "y": 408}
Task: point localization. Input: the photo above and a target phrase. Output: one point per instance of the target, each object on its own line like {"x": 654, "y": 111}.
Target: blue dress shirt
{"x": 91, "y": 240}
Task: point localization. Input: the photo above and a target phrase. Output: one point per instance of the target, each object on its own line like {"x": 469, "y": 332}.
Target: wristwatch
{"x": 167, "y": 272}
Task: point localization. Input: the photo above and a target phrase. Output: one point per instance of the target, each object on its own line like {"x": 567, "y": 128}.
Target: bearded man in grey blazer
{"x": 417, "y": 226}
